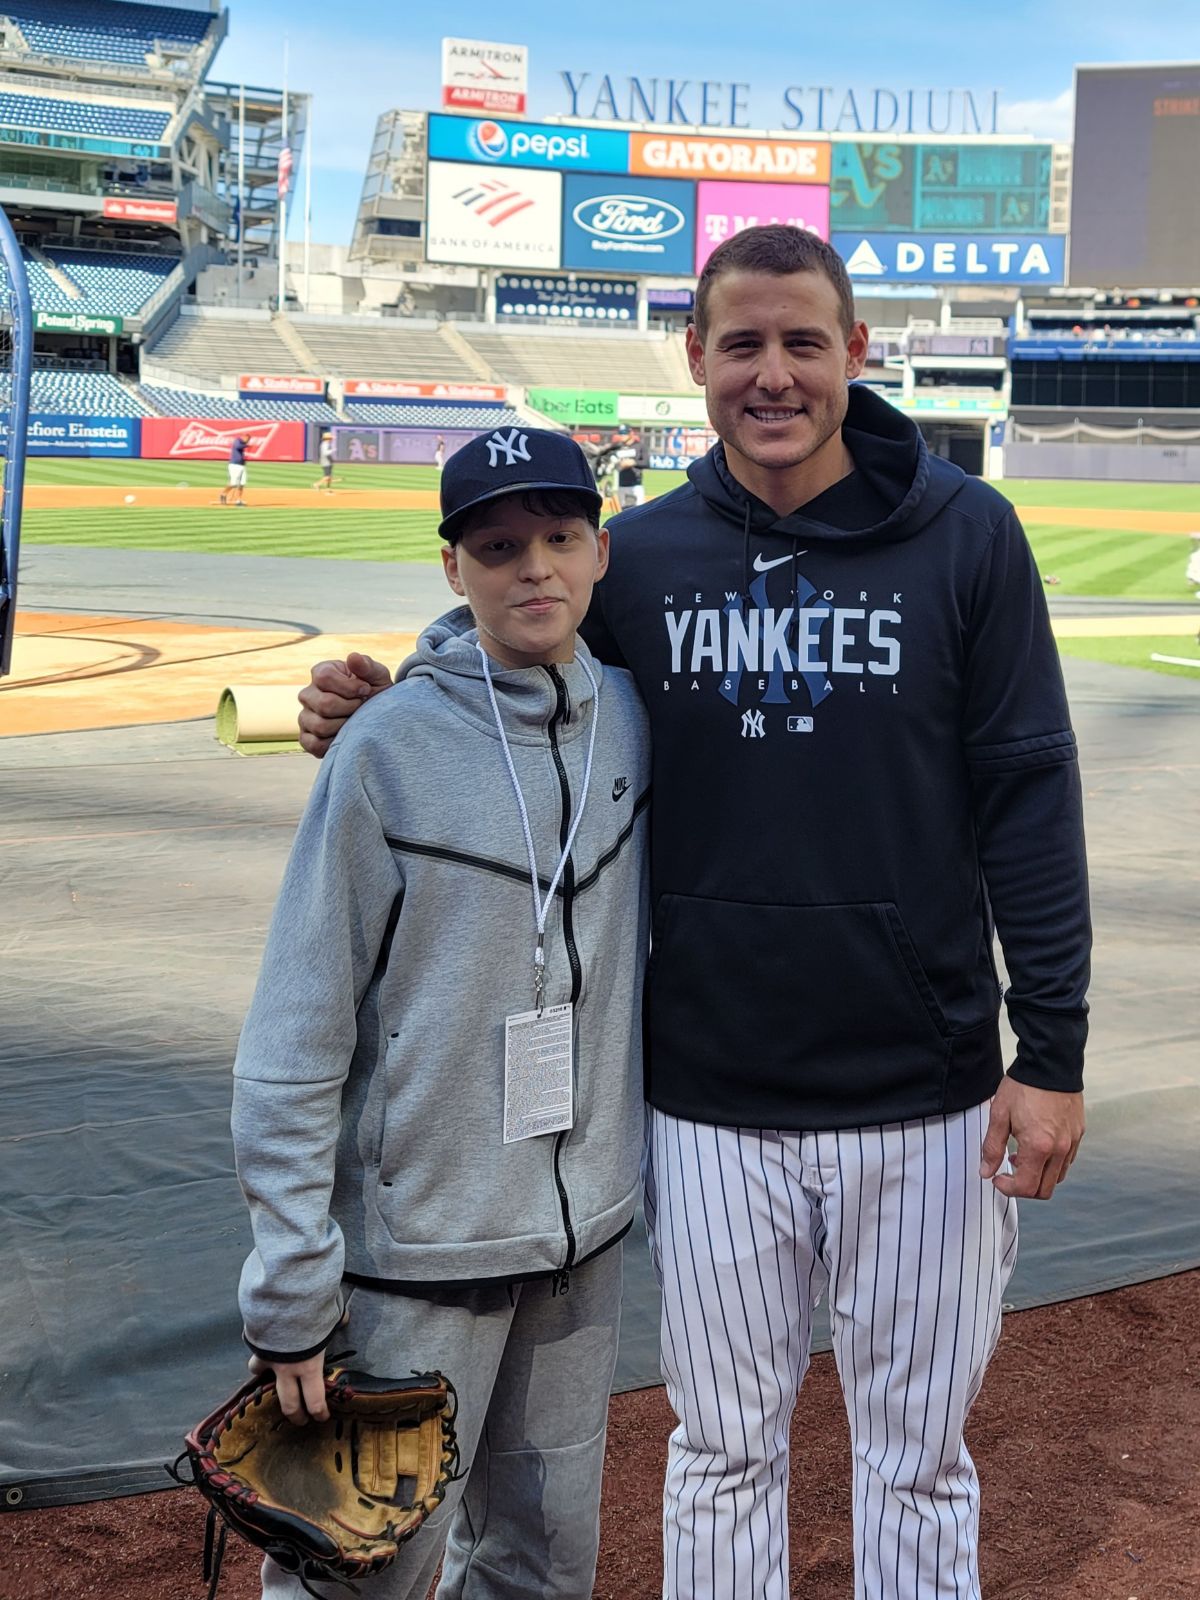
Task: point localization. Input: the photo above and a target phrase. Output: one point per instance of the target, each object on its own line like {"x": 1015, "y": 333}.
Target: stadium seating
{"x": 433, "y": 416}
{"x": 187, "y": 403}
{"x": 105, "y": 30}
{"x": 384, "y": 350}
{"x": 82, "y": 116}
{"x": 220, "y": 348}
{"x": 112, "y": 281}
{"x": 81, "y": 394}
{"x": 644, "y": 365}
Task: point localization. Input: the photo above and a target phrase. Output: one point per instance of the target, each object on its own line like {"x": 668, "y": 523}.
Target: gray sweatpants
{"x": 533, "y": 1380}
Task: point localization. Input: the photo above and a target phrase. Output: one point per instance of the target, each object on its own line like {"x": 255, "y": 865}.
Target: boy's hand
{"x": 300, "y": 1386}
{"x": 336, "y": 691}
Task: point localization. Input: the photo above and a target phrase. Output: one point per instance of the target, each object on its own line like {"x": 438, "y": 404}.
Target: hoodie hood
{"x": 889, "y": 454}
{"x": 448, "y": 651}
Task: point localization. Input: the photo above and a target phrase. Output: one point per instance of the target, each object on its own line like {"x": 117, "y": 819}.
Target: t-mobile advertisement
{"x": 1135, "y": 220}
{"x": 723, "y": 209}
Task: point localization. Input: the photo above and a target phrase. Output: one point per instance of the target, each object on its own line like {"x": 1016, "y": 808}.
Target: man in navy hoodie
{"x": 863, "y": 766}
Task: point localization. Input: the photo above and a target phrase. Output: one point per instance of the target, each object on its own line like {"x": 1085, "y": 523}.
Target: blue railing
{"x": 20, "y": 315}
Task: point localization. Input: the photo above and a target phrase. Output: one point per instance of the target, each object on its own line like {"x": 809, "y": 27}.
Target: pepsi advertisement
{"x": 527, "y": 144}
{"x": 626, "y": 224}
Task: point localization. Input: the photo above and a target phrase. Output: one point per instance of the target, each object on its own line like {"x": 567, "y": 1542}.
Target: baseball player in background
{"x": 863, "y": 767}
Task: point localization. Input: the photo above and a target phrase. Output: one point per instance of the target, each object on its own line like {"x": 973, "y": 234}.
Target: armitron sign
{"x": 399, "y": 389}
{"x": 756, "y": 160}
{"x": 478, "y": 76}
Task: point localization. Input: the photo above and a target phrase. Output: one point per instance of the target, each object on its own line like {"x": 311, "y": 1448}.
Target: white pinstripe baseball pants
{"x": 748, "y": 1228}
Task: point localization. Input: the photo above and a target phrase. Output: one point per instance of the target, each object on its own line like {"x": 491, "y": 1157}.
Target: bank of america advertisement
{"x": 487, "y": 218}
{"x": 624, "y": 224}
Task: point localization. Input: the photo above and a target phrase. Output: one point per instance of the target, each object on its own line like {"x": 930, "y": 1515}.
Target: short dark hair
{"x": 539, "y": 503}
{"x": 777, "y": 249}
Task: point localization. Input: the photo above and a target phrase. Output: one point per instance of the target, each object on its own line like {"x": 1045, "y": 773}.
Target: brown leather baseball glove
{"x": 329, "y": 1501}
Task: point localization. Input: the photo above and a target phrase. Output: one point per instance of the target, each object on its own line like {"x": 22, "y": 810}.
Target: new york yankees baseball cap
{"x": 512, "y": 461}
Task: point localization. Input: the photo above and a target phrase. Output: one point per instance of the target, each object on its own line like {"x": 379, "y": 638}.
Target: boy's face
{"x": 528, "y": 580}
{"x": 774, "y": 363}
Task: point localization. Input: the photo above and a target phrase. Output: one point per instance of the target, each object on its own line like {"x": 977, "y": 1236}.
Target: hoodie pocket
{"x": 828, "y": 1003}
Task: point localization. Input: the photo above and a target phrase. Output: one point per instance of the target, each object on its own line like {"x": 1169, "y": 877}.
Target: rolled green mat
{"x": 258, "y": 719}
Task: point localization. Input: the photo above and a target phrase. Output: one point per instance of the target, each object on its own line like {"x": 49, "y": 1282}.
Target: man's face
{"x": 528, "y": 580}
{"x": 774, "y": 363}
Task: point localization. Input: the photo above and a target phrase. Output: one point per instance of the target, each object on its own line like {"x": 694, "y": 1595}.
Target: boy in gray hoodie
{"x": 437, "y": 1105}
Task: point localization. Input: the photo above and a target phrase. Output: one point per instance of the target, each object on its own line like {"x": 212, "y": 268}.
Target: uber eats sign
{"x": 577, "y": 408}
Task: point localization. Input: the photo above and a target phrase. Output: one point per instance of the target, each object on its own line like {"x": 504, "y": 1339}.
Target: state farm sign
{"x": 272, "y": 383}
{"x": 140, "y": 210}
{"x": 662, "y": 155}
{"x": 205, "y": 439}
{"x": 399, "y": 389}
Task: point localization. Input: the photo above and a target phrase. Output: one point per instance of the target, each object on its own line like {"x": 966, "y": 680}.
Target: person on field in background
{"x": 325, "y": 458}
{"x": 629, "y": 482}
{"x": 235, "y": 494}
{"x": 863, "y": 768}
{"x": 439, "y": 453}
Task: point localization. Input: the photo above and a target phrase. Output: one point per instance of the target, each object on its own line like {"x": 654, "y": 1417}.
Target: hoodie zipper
{"x": 562, "y": 714}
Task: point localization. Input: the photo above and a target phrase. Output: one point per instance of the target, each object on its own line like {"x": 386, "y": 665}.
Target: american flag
{"x": 285, "y": 170}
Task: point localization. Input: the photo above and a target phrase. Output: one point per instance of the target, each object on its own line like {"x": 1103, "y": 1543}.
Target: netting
{"x": 16, "y": 360}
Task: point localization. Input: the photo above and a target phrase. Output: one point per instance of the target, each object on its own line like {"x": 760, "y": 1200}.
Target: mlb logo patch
{"x": 799, "y": 724}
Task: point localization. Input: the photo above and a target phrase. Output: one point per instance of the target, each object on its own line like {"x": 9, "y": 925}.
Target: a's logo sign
{"x": 515, "y": 448}
{"x": 488, "y": 140}
{"x": 628, "y": 216}
{"x": 493, "y": 201}
{"x": 753, "y": 726}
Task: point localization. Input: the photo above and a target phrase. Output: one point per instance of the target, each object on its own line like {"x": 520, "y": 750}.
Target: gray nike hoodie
{"x": 369, "y": 1083}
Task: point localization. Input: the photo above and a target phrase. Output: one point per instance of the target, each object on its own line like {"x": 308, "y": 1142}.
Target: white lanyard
{"x": 541, "y": 908}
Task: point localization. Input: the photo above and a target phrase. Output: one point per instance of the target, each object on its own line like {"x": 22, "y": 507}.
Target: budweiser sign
{"x": 140, "y": 210}
{"x": 398, "y": 389}
{"x": 270, "y": 383}
{"x": 209, "y": 439}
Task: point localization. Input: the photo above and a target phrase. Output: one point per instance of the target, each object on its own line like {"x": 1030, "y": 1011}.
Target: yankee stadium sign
{"x": 705, "y": 103}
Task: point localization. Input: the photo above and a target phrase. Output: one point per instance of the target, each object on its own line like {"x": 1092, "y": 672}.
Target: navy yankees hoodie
{"x": 863, "y": 764}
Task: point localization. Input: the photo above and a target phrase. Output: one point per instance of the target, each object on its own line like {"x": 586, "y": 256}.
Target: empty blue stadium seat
{"x": 80, "y": 394}
{"x": 187, "y": 403}
{"x": 82, "y": 117}
{"x": 105, "y": 30}
{"x": 111, "y": 283}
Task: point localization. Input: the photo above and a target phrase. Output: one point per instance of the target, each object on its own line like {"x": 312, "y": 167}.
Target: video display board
{"x": 882, "y": 187}
{"x": 1135, "y": 215}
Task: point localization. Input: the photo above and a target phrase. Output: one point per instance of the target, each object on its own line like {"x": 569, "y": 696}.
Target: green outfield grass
{"x": 1136, "y": 652}
{"x": 1085, "y": 560}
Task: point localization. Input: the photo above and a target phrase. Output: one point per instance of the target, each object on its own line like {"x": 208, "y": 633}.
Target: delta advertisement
{"x": 583, "y": 199}
{"x": 50, "y": 435}
{"x": 207, "y": 439}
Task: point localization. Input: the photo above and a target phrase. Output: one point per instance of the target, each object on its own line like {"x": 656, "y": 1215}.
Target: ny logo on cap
{"x": 515, "y": 448}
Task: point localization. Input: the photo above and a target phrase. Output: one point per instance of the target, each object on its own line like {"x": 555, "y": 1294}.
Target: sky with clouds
{"x": 370, "y": 56}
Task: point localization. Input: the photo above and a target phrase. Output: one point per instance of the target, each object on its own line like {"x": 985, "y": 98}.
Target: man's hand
{"x": 300, "y": 1386}
{"x": 1047, "y": 1127}
{"x": 336, "y": 691}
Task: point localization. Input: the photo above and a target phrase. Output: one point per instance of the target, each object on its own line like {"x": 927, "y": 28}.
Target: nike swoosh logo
{"x": 620, "y": 787}
{"x": 765, "y": 566}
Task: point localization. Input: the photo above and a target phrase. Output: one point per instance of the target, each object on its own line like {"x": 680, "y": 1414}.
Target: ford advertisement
{"x": 628, "y": 224}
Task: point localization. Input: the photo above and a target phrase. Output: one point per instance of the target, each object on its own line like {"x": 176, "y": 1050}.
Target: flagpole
{"x": 307, "y": 194}
{"x": 241, "y": 187}
{"x": 282, "y": 299}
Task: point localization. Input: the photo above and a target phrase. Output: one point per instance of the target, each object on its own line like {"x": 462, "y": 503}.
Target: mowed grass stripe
{"x": 1115, "y": 496}
{"x": 1136, "y": 652}
{"x": 1101, "y": 562}
{"x": 362, "y": 536}
{"x": 199, "y": 474}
